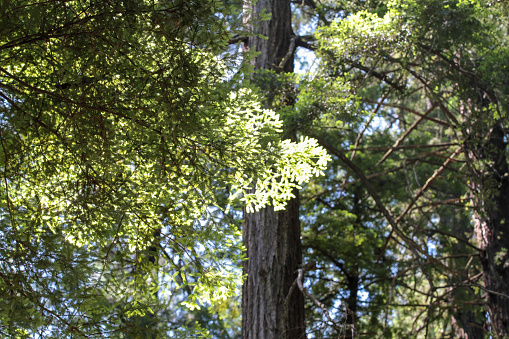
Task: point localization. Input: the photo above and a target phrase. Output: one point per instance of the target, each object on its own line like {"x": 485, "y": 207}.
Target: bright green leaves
{"x": 297, "y": 163}
{"x": 279, "y": 166}
{"x": 119, "y": 135}
{"x": 213, "y": 287}
{"x": 361, "y": 33}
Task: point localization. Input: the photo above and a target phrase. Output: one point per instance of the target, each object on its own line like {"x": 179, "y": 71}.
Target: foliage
{"x": 130, "y": 140}
{"x": 413, "y": 72}
{"x": 120, "y": 135}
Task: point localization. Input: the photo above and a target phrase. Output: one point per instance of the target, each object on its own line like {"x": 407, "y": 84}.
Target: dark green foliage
{"x": 122, "y": 145}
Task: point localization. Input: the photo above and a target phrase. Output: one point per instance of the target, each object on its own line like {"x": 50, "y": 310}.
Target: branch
{"x": 457, "y": 237}
{"x": 421, "y": 157}
{"x": 300, "y": 272}
{"x": 304, "y": 41}
{"x": 438, "y": 121}
{"x": 331, "y": 258}
{"x": 361, "y": 176}
{"x": 310, "y": 3}
{"x": 429, "y": 181}
{"x": 237, "y": 38}
{"x": 372, "y": 192}
{"x": 298, "y": 282}
{"x": 474, "y": 77}
{"x": 361, "y": 133}
{"x": 291, "y": 50}
{"x": 381, "y": 76}
{"x": 451, "y": 202}
{"x": 383, "y": 148}
{"x": 407, "y": 132}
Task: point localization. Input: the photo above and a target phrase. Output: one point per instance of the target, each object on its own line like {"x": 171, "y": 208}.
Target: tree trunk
{"x": 272, "y": 239}
{"x": 278, "y": 31}
{"x": 352, "y": 282}
{"x": 273, "y": 247}
{"x": 465, "y": 320}
{"x": 486, "y": 153}
{"x": 468, "y": 315}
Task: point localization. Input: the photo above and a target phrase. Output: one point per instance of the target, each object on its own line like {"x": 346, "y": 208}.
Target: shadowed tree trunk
{"x": 272, "y": 239}
{"x": 465, "y": 320}
{"x": 468, "y": 320}
{"x": 486, "y": 153}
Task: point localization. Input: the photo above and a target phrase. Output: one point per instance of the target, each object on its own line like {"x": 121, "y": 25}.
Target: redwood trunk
{"x": 490, "y": 190}
{"x": 272, "y": 239}
{"x": 273, "y": 247}
{"x": 277, "y": 30}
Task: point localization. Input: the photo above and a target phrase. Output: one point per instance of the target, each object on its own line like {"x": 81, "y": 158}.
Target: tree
{"x": 271, "y": 307}
{"x": 429, "y": 75}
{"x": 441, "y": 63}
{"x": 119, "y": 135}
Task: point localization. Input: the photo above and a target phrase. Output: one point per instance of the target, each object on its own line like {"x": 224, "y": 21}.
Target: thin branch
{"x": 332, "y": 259}
{"x": 291, "y": 50}
{"x": 438, "y": 121}
{"x": 304, "y": 42}
{"x": 381, "y": 76}
{"x": 310, "y": 3}
{"x": 429, "y": 182}
{"x": 450, "y": 202}
{"x": 300, "y": 274}
{"x": 374, "y": 195}
{"x": 384, "y": 148}
{"x": 407, "y": 132}
{"x": 361, "y": 133}
{"x": 465, "y": 241}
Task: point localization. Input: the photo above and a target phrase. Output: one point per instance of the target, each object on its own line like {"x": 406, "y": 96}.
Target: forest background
{"x": 165, "y": 172}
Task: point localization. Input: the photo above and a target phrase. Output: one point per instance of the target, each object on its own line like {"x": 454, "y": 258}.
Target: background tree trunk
{"x": 468, "y": 320}
{"x": 278, "y": 31}
{"x": 272, "y": 238}
{"x": 490, "y": 190}
{"x": 486, "y": 153}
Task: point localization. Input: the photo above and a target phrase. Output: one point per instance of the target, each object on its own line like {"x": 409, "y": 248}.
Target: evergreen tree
{"x": 120, "y": 135}
{"x": 436, "y": 66}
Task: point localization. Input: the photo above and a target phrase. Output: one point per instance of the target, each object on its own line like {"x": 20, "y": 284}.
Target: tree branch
{"x": 237, "y": 38}
{"x": 291, "y": 50}
{"x": 438, "y": 121}
{"x": 407, "y": 132}
{"x": 305, "y": 42}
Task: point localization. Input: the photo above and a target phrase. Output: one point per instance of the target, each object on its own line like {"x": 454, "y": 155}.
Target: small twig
{"x": 429, "y": 182}
{"x": 361, "y": 133}
{"x": 408, "y": 109}
{"x": 384, "y": 148}
{"x": 304, "y": 42}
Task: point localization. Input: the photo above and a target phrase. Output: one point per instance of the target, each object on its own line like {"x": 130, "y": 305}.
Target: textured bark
{"x": 352, "y": 282}
{"x": 278, "y": 31}
{"x": 465, "y": 323}
{"x": 273, "y": 247}
{"x": 486, "y": 152}
{"x": 272, "y": 239}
